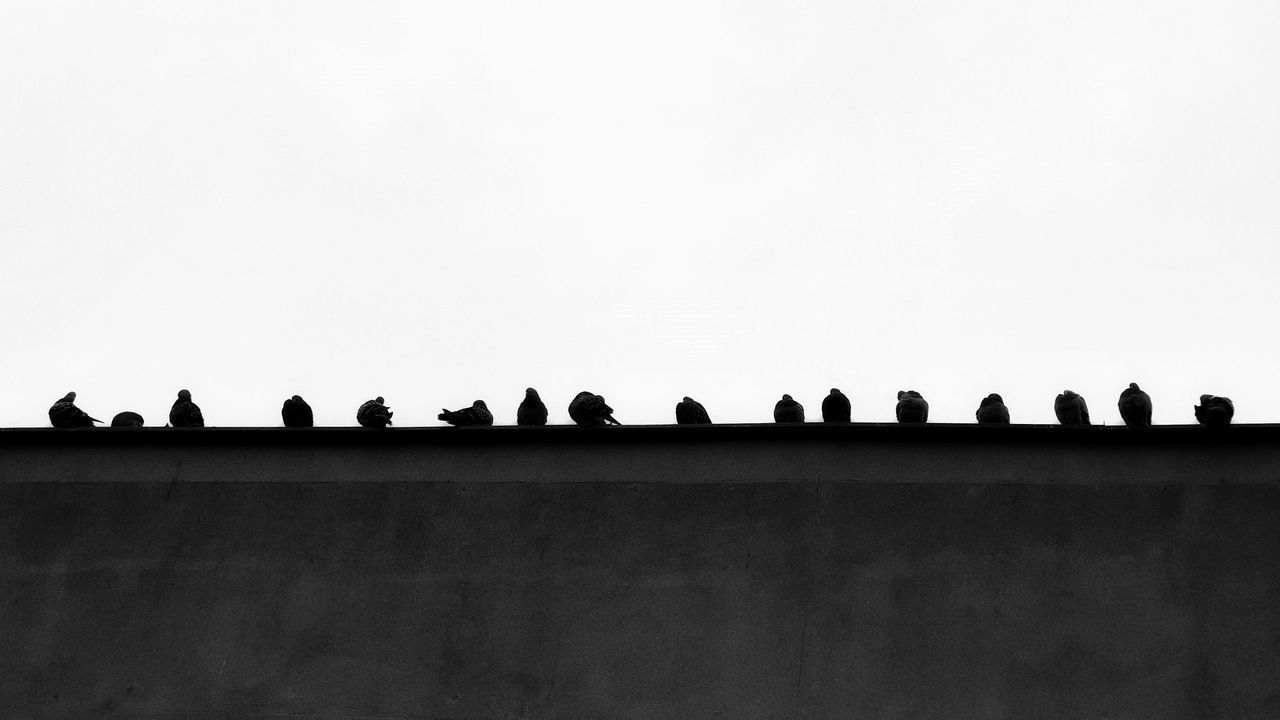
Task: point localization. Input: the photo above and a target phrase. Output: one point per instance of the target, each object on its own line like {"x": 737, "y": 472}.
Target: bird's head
{"x": 530, "y": 393}
{"x": 835, "y": 391}
{"x": 296, "y": 398}
{"x": 184, "y": 395}
{"x": 480, "y": 404}
{"x": 687, "y": 399}
{"x": 1068, "y": 394}
{"x": 1134, "y": 386}
{"x": 69, "y": 397}
{"x": 787, "y": 398}
{"x": 379, "y": 400}
{"x": 995, "y": 398}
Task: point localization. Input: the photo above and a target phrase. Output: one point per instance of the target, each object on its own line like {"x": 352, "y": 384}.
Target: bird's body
{"x": 836, "y": 407}
{"x": 477, "y": 414}
{"x": 787, "y": 410}
{"x": 691, "y": 412}
{"x": 912, "y": 407}
{"x": 1214, "y": 411}
{"x": 65, "y": 414}
{"x": 590, "y": 410}
{"x": 374, "y": 414}
{"x": 532, "y": 410}
{"x": 296, "y": 413}
{"x": 185, "y": 413}
{"x": 1071, "y": 409}
{"x": 992, "y": 411}
{"x": 127, "y": 419}
{"x": 1135, "y": 407}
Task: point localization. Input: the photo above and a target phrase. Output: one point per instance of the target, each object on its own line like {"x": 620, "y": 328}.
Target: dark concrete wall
{"x": 741, "y": 572}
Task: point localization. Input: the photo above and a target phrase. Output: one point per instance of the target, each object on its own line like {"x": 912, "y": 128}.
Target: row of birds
{"x": 588, "y": 409}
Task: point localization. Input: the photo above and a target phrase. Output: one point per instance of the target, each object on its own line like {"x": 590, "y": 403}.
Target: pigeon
{"x": 788, "y": 411}
{"x": 590, "y": 410}
{"x": 126, "y": 419}
{"x": 1135, "y": 407}
{"x": 477, "y": 414}
{"x": 373, "y": 414}
{"x": 531, "y": 411}
{"x": 184, "y": 412}
{"x": 1071, "y": 409}
{"x": 991, "y": 411}
{"x": 835, "y": 407}
{"x": 65, "y": 414}
{"x": 691, "y": 412}
{"x": 1214, "y": 411}
{"x": 296, "y": 413}
{"x": 912, "y": 407}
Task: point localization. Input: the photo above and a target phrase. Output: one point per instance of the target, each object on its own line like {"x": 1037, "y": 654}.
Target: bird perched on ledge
{"x": 477, "y": 414}
{"x": 1071, "y": 409}
{"x": 691, "y": 412}
{"x": 373, "y": 414}
{"x": 912, "y": 407}
{"x": 1214, "y": 411}
{"x": 992, "y": 411}
{"x": 532, "y": 411}
{"x": 590, "y": 410}
{"x": 65, "y": 414}
{"x": 296, "y": 413}
{"x": 126, "y": 419}
{"x": 787, "y": 410}
{"x": 1135, "y": 407}
{"x": 836, "y": 407}
{"x": 185, "y": 413}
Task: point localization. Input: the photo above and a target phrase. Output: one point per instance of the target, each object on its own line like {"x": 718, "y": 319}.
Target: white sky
{"x": 438, "y": 202}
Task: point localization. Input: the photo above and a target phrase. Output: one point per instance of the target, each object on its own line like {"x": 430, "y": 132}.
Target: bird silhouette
{"x": 992, "y": 411}
{"x": 126, "y": 419}
{"x": 1135, "y": 407}
{"x": 477, "y": 414}
{"x": 590, "y": 410}
{"x": 1214, "y": 411}
{"x": 787, "y": 410}
{"x": 912, "y": 407}
{"x": 1071, "y": 409}
{"x": 532, "y": 411}
{"x": 691, "y": 412}
{"x": 296, "y": 413}
{"x": 65, "y": 414}
{"x": 185, "y": 413}
{"x": 836, "y": 407}
{"x": 374, "y": 414}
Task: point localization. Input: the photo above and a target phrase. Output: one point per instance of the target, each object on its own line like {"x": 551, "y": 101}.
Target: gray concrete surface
{"x": 864, "y": 573}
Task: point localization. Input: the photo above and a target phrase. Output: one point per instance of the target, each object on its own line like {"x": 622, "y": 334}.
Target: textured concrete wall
{"x": 641, "y": 573}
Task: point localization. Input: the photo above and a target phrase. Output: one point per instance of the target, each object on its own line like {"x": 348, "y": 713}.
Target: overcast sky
{"x": 438, "y": 202}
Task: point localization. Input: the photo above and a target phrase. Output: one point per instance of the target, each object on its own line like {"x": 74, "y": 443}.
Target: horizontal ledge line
{"x": 626, "y": 434}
